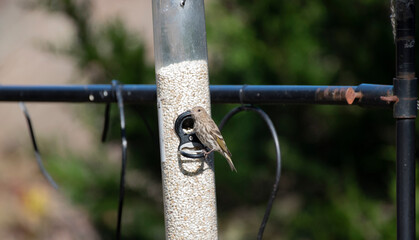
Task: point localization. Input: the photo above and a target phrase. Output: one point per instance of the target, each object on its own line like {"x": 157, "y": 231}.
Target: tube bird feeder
{"x": 181, "y": 64}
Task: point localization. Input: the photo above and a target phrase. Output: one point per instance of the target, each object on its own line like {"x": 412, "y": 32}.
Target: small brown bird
{"x": 208, "y": 133}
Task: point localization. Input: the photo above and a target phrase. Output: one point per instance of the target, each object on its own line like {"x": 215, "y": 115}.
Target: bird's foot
{"x": 207, "y": 153}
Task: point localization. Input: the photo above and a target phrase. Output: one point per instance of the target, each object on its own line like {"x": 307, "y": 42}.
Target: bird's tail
{"x": 230, "y": 162}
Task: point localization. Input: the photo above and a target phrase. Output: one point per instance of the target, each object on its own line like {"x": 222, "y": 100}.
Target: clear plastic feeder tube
{"x": 179, "y": 31}
{"x": 180, "y": 50}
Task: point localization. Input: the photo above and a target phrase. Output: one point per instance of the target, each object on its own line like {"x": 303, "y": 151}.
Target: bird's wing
{"x": 220, "y": 140}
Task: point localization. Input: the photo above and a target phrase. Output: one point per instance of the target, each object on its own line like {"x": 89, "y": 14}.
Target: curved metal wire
{"x": 271, "y": 126}
{"x": 117, "y": 93}
{"x": 35, "y": 146}
{"x": 124, "y": 145}
{"x": 106, "y": 122}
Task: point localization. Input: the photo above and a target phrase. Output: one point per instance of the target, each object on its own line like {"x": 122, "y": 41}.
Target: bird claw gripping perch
{"x": 189, "y": 145}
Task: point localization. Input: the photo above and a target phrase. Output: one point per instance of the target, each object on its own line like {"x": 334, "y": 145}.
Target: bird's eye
{"x": 199, "y": 110}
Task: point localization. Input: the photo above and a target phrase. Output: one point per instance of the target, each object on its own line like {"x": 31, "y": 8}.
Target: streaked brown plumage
{"x": 208, "y": 133}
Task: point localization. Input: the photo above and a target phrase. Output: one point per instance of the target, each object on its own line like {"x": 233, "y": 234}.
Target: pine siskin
{"x": 208, "y": 133}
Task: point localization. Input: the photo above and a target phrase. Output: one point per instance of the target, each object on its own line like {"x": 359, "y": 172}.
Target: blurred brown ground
{"x": 29, "y": 207}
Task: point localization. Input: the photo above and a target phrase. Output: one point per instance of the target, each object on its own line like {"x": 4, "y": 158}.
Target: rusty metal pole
{"x": 180, "y": 50}
{"x": 405, "y": 87}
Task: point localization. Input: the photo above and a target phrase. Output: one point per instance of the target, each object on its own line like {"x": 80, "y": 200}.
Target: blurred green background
{"x": 338, "y": 177}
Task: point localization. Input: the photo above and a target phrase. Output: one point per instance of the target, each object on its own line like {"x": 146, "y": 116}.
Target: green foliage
{"x": 338, "y": 161}
{"x": 104, "y": 53}
{"x": 110, "y": 52}
{"x": 338, "y": 178}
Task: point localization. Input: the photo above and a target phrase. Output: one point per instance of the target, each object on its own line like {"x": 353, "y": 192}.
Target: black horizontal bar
{"x": 364, "y": 94}
{"x": 78, "y": 93}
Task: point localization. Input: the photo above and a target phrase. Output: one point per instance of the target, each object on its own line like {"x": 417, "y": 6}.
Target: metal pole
{"x": 405, "y": 179}
{"x": 405, "y": 87}
{"x": 362, "y": 95}
{"x": 182, "y": 83}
